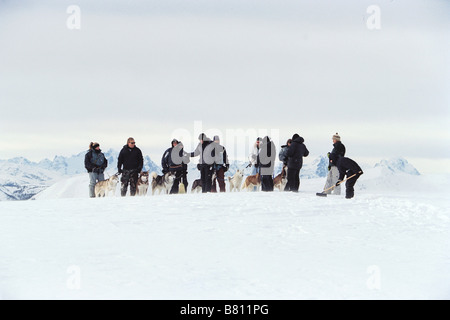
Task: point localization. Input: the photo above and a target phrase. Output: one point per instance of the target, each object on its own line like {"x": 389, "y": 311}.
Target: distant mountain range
{"x": 21, "y": 179}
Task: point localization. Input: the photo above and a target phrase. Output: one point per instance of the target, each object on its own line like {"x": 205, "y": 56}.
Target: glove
{"x": 329, "y": 167}
{"x": 164, "y": 171}
{"x": 250, "y": 165}
{"x": 338, "y": 182}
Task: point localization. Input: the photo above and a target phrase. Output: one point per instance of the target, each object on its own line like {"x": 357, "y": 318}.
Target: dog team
{"x": 213, "y": 164}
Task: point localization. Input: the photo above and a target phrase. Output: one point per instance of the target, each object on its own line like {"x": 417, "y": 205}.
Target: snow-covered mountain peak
{"x": 398, "y": 165}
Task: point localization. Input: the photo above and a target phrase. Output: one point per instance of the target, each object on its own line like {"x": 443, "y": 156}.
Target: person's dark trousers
{"x": 176, "y": 182}
{"x": 350, "y": 184}
{"x": 266, "y": 183}
{"x": 293, "y": 180}
{"x": 206, "y": 176}
{"x": 220, "y": 177}
{"x": 184, "y": 179}
{"x": 129, "y": 177}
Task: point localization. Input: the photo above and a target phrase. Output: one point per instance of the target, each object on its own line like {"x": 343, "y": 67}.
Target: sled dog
{"x": 236, "y": 181}
{"x": 162, "y": 183}
{"x": 142, "y": 183}
{"x": 252, "y": 181}
{"x": 103, "y": 188}
{"x": 280, "y": 180}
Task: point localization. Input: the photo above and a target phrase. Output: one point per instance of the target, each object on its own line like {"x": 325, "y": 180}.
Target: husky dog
{"x": 236, "y": 181}
{"x": 103, "y": 188}
{"x": 162, "y": 183}
{"x": 252, "y": 181}
{"x": 197, "y": 184}
{"x": 280, "y": 180}
{"x": 142, "y": 183}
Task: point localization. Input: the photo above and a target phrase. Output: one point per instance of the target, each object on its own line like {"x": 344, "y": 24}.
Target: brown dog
{"x": 252, "y": 181}
{"x": 280, "y": 180}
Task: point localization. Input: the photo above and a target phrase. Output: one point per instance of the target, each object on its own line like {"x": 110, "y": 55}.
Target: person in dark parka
{"x": 266, "y": 163}
{"x": 295, "y": 154}
{"x": 205, "y": 164}
{"x": 347, "y": 167}
{"x": 175, "y": 160}
{"x": 282, "y": 155}
{"x": 132, "y": 161}
{"x": 220, "y": 166}
{"x": 95, "y": 164}
{"x": 333, "y": 172}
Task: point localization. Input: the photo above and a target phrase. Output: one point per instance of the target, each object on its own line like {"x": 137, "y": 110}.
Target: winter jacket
{"x": 174, "y": 159}
{"x": 347, "y": 166}
{"x": 282, "y": 155}
{"x": 204, "y": 150}
{"x": 95, "y": 159}
{"x": 338, "y": 149}
{"x": 219, "y": 153}
{"x": 130, "y": 159}
{"x": 266, "y": 157}
{"x": 254, "y": 155}
{"x": 295, "y": 153}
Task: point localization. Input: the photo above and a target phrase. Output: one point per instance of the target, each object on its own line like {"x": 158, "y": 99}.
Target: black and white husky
{"x": 162, "y": 183}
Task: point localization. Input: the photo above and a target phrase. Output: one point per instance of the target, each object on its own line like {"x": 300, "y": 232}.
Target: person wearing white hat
{"x": 333, "y": 172}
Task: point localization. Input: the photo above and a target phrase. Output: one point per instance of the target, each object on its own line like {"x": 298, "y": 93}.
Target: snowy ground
{"x": 380, "y": 245}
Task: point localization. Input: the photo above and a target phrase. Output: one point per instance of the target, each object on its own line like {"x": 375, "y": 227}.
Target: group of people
{"x": 339, "y": 167}
{"x": 213, "y": 159}
{"x": 213, "y": 162}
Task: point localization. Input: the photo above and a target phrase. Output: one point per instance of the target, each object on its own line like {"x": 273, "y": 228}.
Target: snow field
{"x": 227, "y": 246}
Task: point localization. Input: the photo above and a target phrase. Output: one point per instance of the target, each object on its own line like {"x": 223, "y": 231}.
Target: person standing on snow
{"x": 130, "y": 157}
{"x": 253, "y": 158}
{"x": 347, "y": 167}
{"x": 295, "y": 154}
{"x": 220, "y": 165}
{"x": 266, "y": 163}
{"x": 282, "y": 155}
{"x": 333, "y": 172}
{"x": 95, "y": 164}
{"x": 204, "y": 150}
{"x": 175, "y": 160}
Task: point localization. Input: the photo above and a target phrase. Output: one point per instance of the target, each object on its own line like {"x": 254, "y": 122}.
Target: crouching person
{"x": 347, "y": 167}
{"x": 129, "y": 164}
{"x": 95, "y": 164}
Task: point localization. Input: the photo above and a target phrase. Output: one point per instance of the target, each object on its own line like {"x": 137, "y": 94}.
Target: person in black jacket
{"x": 295, "y": 155}
{"x": 220, "y": 166}
{"x": 95, "y": 163}
{"x": 175, "y": 160}
{"x": 130, "y": 157}
{"x": 204, "y": 150}
{"x": 333, "y": 172}
{"x": 266, "y": 163}
{"x": 282, "y": 155}
{"x": 347, "y": 167}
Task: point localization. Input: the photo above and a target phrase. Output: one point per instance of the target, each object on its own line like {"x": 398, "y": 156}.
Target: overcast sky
{"x": 150, "y": 69}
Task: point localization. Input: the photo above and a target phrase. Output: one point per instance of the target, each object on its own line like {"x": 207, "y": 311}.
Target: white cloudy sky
{"x": 148, "y": 69}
